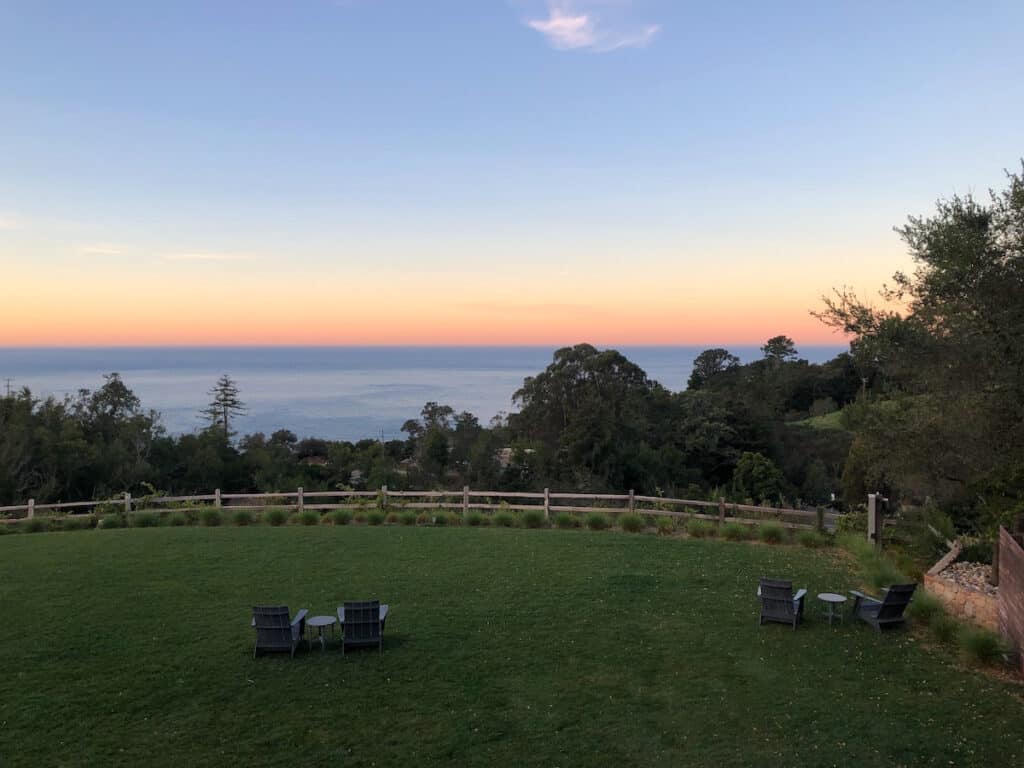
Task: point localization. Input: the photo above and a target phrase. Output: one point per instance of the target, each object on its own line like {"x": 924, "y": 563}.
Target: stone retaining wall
{"x": 964, "y": 602}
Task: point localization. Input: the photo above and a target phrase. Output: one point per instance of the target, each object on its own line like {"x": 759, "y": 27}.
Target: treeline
{"x": 591, "y": 421}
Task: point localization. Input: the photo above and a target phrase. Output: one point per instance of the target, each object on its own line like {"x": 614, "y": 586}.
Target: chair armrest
{"x": 341, "y": 615}
{"x": 300, "y": 616}
{"x": 799, "y": 596}
{"x": 862, "y": 596}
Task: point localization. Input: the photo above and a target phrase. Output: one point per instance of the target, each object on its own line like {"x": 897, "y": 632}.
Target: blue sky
{"x": 641, "y": 152}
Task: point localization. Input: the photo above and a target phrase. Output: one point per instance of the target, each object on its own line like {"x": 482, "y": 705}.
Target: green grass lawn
{"x": 505, "y": 647}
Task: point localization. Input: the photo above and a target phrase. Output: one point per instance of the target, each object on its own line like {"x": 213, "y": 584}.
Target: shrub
{"x": 210, "y": 517}
{"x": 475, "y": 519}
{"x": 772, "y": 533}
{"x": 666, "y": 526}
{"x": 375, "y": 518}
{"x": 178, "y": 519}
{"x": 631, "y": 523}
{"x": 309, "y": 517}
{"x": 423, "y": 518}
{"x": 976, "y": 551}
{"x": 145, "y": 520}
{"x": 981, "y": 646}
{"x": 533, "y": 518}
{"x": 597, "y": 522}
{"x": 242, "y": 517}
{"x": 111, "y": 521}
{"x": 360, "y": 516}
{"x": 442, "y": 518}
{"x": 391, "y": 518}
{"x": 944, "y": 627}
{"x": 275, "y": 517}
{"x": 341, "y": 517}
{"x": 811, "y": 539}
{"x": 78, "y": 523}
{"x": 407, "y": 518}
{"x": 504, "y": 520}
{"x": 925, "y": 608}
{"x": 565, "y": 520}
{"x": 699, "y": 529}
{"x": 35, "y": 525}
{"x": 734, "y": 532}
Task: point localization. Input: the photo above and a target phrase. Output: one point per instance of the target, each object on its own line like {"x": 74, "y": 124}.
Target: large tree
{"x": 225, "y": 405}
{"x": 708, "y": 364}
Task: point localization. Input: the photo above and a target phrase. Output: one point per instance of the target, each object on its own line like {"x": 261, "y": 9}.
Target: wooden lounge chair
{"x": 778, "y": 603}
{"x": 362, "y": 624}
{"x": 887, "y": 612}
{"x": 275, "y": 631}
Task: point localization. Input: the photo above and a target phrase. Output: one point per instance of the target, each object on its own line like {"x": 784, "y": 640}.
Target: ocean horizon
{"x": 337, "y": 393}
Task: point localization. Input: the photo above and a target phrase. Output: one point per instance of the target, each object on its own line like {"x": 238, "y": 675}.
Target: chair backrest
{"x": 273, "y": 625}
{"x": 896, "y": 601}
{"x": 362, "y": 622}
{"x": 776, "y": 597}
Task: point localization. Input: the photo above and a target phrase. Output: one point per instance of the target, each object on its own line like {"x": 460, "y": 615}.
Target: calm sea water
{"x": 331, "y": 392}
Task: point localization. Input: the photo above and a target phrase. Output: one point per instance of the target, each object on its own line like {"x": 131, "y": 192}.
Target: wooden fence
{"x": 548, "y": 501}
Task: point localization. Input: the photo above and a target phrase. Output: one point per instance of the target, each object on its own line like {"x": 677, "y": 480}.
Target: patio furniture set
{"x": 778, "y": 603}
{"x": 361, "y": 623}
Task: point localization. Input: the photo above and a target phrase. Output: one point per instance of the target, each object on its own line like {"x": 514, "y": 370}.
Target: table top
{"x": 320, "y": 621}
{"x": 831, "y": 597}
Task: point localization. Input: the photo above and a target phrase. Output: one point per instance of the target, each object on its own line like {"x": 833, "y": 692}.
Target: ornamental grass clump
{"x": 210, "y": 517}
{"x": 475, "y": 519}
{"x": 407, "y": 518}
{"x": 772, "y": 533}
{"x": 177, "y": 520}
{"x": 505, "y": 520}
{"x": 944, "y": 628}
{"x": 375, "y": 518}
{"x": 981, "y": 646}
{"x": 35, "y": 525}
{"x": 699, "y": 529}
{"x": 533, "y": 519}
{"x": 391, "y": 518}
{"x": 442, "y": 518}
{"x": 597, "y": 522}
{"x": 811, "y": 539}
{"x": 242, "y": 518}
{"x": 145, "y": 520}
{"x": 309, "y": 517}
{"x": 111, "y": 521}
{"x": 631, "y": 523}
{"x": 925, "y": 608}
{"x": 424, "y": 518}
{"x": 566, "y": 521}
{"x": 666, "y": 526}
{"x": 734, "y": 532}
{"x": 275, "y": 517}
{"x": 341, "y": 517}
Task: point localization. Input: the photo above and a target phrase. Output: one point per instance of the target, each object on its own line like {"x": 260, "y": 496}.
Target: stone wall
{"x": 964, "y": 602}
{"x": 1011, "y": 592}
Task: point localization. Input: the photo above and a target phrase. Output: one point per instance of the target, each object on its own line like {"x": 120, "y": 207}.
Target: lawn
{"x": 505, "y": 647}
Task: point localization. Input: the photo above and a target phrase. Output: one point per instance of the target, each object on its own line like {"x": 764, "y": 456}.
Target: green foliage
{"x": 391, "y": 518}
{"x": 811, "y": 539}
{"x": 275, "y": 516}
{"x": 879, "y": 571}
{"x": 145, "y": 520}
{"x": 309, "y": 517}
{"x": 343, "y": 517}
{"x": 925, "y": 608}
{"x": 981, "y": 646}
{"x": 533, "y": 519}
{"x": 475, "y": 519}
{"x": 375, "y": 518}
{"x": 757, "y": 477}
{"x": 666, "y": 526}
{"x": 944, "y": 627}
{"x": 977, "y": 550}
{"x": 242, "y": 517}
{"x": 631, "y": 523}
{"x": 855, "y": 522}
{"x": 408, "y": 518}
{"x": 210, "y": 517}
{"x": 111, "y": 521}
{"x": 177, "y": 519}
{"x": 441, "y": 518}
{"x": 735, "y": 532}
{"x": 505, "y": 520}
{"x": 78, "y": 523}
{"x": 565, "y": 521}
{"x": 772, "y": 533}
{"x": 699, "y": 529}
{"x": 597, "y": 522}
{"x": 424, "y": 518}
{"x": 35, "y": 525}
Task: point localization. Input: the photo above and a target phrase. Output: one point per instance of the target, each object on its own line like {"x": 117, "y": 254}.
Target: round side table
{"x": 832, "y": 602}
{"x": 319, "y": 622}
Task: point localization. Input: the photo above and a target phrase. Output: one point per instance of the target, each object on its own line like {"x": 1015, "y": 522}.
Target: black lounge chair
{"x": 275, "y": 631}
{"x": 362, "y": 624}
{"x": 887, "y": 612}
{"x": 778, "y": 603}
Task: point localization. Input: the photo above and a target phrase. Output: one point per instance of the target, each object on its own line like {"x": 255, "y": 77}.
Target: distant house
{"x": 356, "y": 478}
{"x": 505, "y": 456}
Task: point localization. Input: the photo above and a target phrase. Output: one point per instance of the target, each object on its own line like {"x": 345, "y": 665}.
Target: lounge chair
{"x": 362, "y": 624}
{"x": 778, "y": 603}
{"x": 275, "y": 631}
{"x": 887, "y": 612}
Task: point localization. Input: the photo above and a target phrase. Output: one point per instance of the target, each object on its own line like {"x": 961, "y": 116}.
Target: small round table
{"x": 320, "y": 622}
{"x": 832, "y": 601}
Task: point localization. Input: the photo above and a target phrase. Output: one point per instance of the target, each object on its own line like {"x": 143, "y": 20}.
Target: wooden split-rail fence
{"x": 548, "y": 501}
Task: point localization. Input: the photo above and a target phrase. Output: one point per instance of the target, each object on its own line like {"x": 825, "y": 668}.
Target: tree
{"x": 779, "y": 349}
{"x": 226, "y": 404}
{"x": 758, "y": 478}
{"x": 709, "y": 363}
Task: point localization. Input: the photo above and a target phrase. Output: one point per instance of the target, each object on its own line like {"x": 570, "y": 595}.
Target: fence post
{"x": 299, "y": 501}
{"x": 465, "y": 502}
{"x": 127, "y": 502}
{"x": 547, "y": 503}
{"x": 721, "y": 512}
{"x": 874, "y": 534}
{"x": 821, "y": 519}
{"x": 632, "y": 502}
{"x": 383, "y": 498}
{"x": 31, "y": 507}
{"x": 216, "y": 498}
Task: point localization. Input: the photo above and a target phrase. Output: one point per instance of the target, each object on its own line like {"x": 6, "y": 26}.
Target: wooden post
{"x": 547, "y": 504}
{"x": 465, "y": 502}
{"x": 216, "y": 498}
{"x": 821, "y": 519}
{"x": 31, "y": 508}
{"x": 632, "y": 502}
{"x": 299, "y": 501}
{"x": 993, "y": 578}
{"x": 721, "y": 512}
{"x": 875, "y": 520}
{"x": 383, "y": 498}
{"x": 127, "y": 502}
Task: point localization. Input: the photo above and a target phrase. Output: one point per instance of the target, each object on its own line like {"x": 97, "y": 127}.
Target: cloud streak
{"x": 575, "y": 25}
{"x": 208, "y": 257}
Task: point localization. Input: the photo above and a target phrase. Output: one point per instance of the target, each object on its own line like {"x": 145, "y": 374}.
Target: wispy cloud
{"x": 205, "y": 257}
{"x": 573, "y": 25}
{"x": 102, "y": 249}
{"x": 8, "y": 222}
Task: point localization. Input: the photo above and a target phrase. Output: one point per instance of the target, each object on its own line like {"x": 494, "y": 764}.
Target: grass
{"x": 830, "y": 421}
{"x": 529, "y": 668}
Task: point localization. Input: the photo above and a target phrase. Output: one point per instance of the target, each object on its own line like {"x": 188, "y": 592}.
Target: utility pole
{"x": 7, "y": 384}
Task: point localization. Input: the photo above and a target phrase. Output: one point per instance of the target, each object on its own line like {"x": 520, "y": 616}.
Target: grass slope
{"x": 506, "y": 647}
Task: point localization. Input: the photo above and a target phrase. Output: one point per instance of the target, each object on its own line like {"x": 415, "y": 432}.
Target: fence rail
{"x": 465, "y": 500}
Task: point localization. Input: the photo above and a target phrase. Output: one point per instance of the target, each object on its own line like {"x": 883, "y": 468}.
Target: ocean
{"x": 339, "y": 393}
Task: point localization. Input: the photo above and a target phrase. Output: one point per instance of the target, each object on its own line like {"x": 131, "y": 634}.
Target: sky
{"x": 480, "y": 171}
